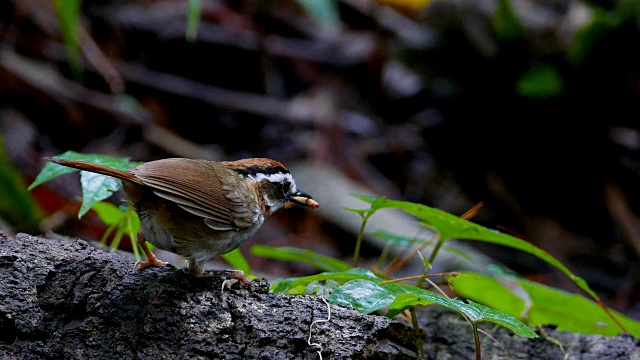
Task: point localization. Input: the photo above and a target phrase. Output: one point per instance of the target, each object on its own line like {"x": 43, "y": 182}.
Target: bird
{"x": 200, "y": 209}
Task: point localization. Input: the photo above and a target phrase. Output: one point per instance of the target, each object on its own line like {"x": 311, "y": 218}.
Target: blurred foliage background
{"x": 528, "y": 106}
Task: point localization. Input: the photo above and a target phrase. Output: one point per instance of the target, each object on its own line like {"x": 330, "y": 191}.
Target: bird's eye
{"x": 286, "y": 186}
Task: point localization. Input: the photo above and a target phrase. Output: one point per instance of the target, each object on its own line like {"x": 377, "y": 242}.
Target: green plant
{"x": 193, "y": 19}
{"x": 17, "y": 207}
{"x": 487, "y": 298}
{"x": 69, "y": 12}
{"x": 121, "y": 219}
{"x": 95, "y": 188}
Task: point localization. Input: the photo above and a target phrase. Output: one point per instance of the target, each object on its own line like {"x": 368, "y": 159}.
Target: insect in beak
{"x": 301, "y": 198}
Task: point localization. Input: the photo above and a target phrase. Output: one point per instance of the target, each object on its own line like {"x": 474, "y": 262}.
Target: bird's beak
{"x": 301, "y": 198}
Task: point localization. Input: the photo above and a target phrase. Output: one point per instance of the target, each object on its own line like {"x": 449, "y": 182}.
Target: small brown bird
{"x": 200, "y": 209}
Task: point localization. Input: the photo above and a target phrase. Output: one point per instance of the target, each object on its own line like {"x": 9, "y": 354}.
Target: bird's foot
{"x": 140, "y": 265}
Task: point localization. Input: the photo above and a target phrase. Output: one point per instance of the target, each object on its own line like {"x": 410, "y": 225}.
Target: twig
{"x": 622, "y": 214}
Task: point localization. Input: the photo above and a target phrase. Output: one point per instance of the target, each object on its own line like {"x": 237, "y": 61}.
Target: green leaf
{"x": 193, "y": 19}
{"x": 501, "y": 293}
{"x": 505, "y": 22}
{"x": 477, "y": 313}
{"x": 542, "y": 305}
{"x": 361, "y": 212}
{"x": 364, "y": 295}
{"x": 296, "y": 286}
{"x": 541, "y": 81}
{"x": 108, "y": 213}
{"x": 236, "y": 259}
{"x": 439, "y": 220}
{"x": 408, "y": 296}
{"x": 69, "y": 17}
{"x": 95, "y": 187}
{"x": 376, "y": 203}
{"x": 52, "y": 170}
{"x": 319, "y": 289}
{"x": 288, "y": 253}
{"x": 124, "y": 217}
{"x": 368, "y": 296}
{"x": 49, "y": 172}
{"x": 474, "y": 312}
{"x": 450, "y": 226}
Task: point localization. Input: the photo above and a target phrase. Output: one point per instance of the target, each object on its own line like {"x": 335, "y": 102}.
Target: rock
{"x": 68, "y": 300}
{"x": 64, "y": 299}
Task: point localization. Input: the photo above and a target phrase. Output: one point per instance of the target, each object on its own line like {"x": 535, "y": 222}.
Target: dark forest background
{"x": 531, "y": 107}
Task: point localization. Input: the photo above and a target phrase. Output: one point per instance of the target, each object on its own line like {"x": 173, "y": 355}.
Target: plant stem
{"x": 436, "y": 249}
{"x": 132, "y": 236}
{"x": 356, "y": 253}
{"x": 414, "y": 322}
{"x": 108, "y": 232}
{"x": 476, "y": 338}
{"x": 424, "y": 276}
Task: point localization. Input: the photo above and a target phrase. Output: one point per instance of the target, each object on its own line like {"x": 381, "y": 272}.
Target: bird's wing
{"x": 203, "y": 188}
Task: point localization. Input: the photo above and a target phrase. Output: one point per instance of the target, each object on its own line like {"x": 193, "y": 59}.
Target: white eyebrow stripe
{"x": 274, "y": 178}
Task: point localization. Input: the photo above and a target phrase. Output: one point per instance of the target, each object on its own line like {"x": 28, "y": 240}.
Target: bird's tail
{"x": 95, "y": 168}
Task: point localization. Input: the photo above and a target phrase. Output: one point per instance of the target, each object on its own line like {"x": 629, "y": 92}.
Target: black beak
{"x": 302, "y": 198}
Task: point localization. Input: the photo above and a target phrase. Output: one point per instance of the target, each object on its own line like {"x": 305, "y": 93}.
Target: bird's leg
{"x": 151, "y": 258}
{"x": 198, "y": 270}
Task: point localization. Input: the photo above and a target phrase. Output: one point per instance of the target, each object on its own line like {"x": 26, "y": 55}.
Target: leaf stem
{"x": 476, "y": 338}
{"x": 132, "y": 236}
{"x": 416, "y": 328}
{"x": 436, "y": 249}
{"x": 417, "y": 277}
{"x": 108, "y": 232}
{"x": 356, "y": 253}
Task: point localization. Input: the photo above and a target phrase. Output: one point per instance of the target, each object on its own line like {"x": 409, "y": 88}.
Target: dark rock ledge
{"x": 67, "y": 300}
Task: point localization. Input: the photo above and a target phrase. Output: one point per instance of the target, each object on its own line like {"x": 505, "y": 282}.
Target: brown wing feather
{"x": 198, "y": 187}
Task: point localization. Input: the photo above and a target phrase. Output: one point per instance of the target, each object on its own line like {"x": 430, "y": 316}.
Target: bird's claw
{"x": 140, "y": 265}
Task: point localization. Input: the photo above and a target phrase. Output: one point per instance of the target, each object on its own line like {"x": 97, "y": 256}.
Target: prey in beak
{"x": 301, "y": 198}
